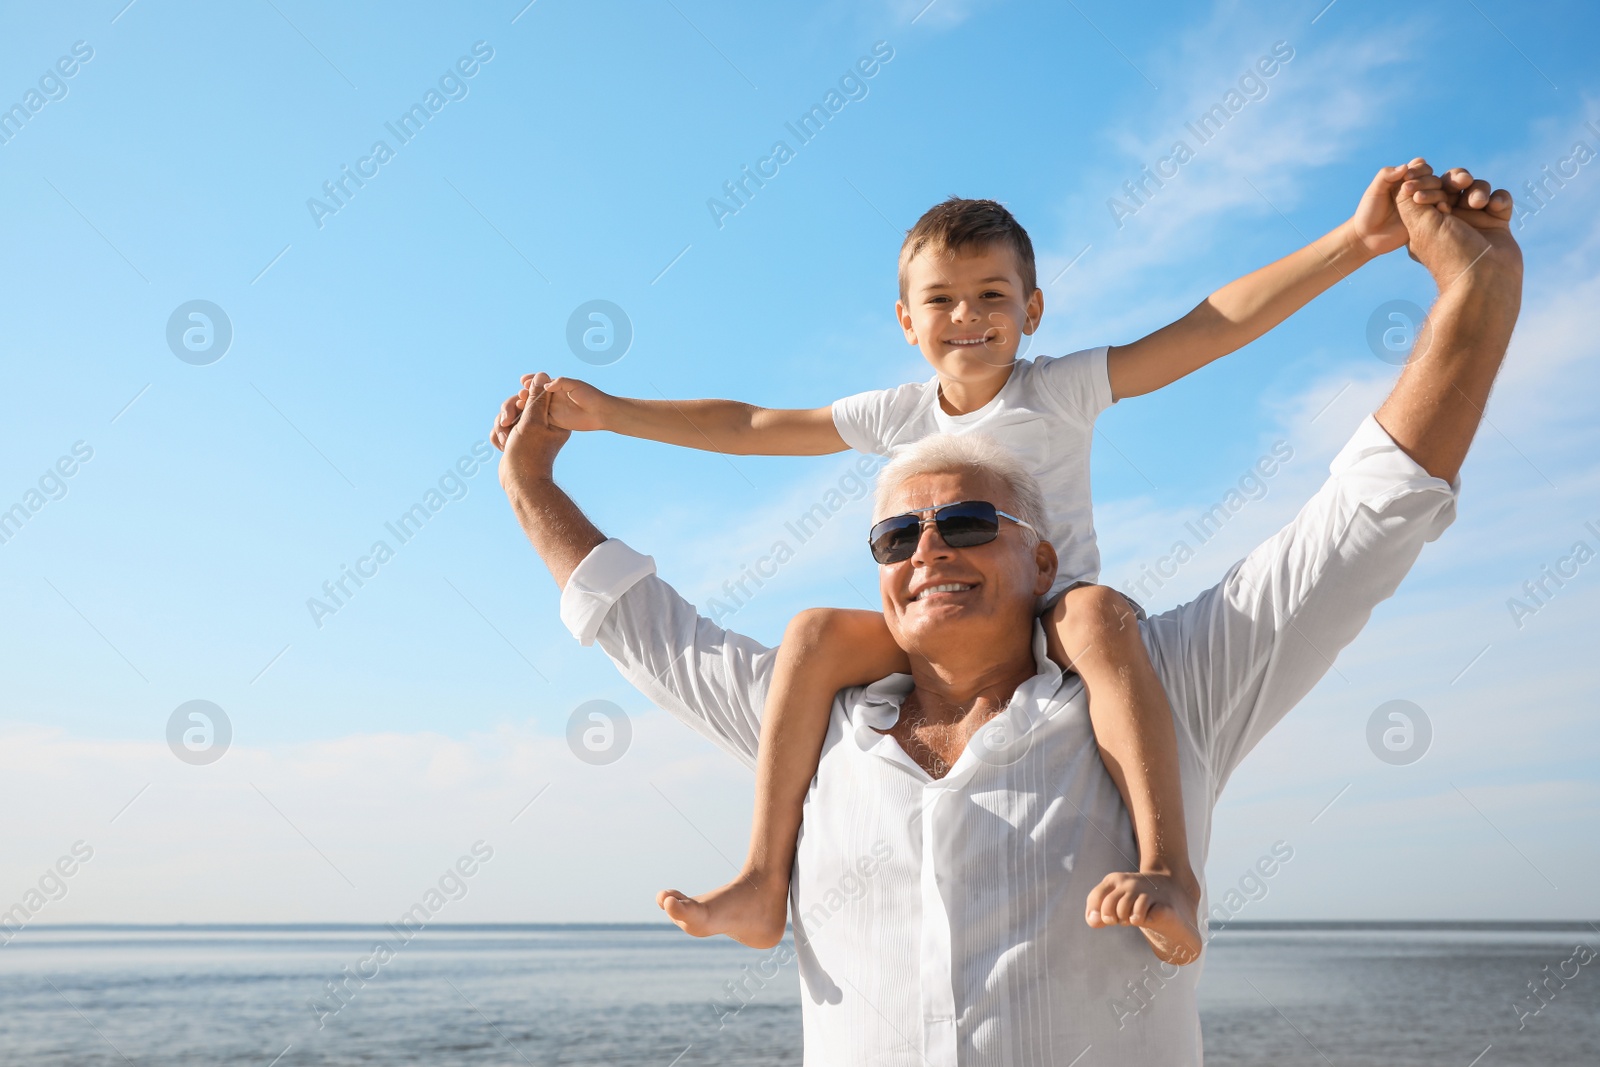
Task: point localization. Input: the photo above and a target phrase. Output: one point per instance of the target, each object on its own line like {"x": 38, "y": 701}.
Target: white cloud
{"x": 271, "y": 833}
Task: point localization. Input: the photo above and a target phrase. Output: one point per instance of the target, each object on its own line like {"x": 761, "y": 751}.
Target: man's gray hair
{"x": 947, "y": 453}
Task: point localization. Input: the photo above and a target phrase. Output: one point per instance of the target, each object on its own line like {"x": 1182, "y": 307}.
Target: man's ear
{"x": 1044, "y": 556}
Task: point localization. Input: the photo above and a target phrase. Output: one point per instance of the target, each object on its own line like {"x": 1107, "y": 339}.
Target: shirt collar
{"x": 877, "y": 707}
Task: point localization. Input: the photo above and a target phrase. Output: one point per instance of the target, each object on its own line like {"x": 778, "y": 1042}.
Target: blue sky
{"x": 370, "y": 347}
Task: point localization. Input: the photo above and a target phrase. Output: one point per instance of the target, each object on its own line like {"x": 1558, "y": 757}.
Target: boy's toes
{"x": 1109, "y": 903}
{"x": 683, "y": 910}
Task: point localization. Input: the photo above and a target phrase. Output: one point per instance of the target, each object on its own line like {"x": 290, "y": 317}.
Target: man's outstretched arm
{"x": 561, "y": 533}
{"x": 711, "y": 679}
{"x": 1465, "y": 242}
{"x": 1240, "y": 655}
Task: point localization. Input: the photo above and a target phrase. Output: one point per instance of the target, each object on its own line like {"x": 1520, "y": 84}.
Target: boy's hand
{"x": 574, "y": 405}
{"x": 1376, "y": 224}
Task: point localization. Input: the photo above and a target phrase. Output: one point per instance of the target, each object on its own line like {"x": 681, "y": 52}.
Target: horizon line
{"x": 1242, "y": 924}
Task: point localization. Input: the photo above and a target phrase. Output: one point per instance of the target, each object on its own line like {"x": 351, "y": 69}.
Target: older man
{"x": 961, "y": 814}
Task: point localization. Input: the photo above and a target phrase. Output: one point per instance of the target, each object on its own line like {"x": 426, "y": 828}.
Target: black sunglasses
{"x": 961, "y": 525}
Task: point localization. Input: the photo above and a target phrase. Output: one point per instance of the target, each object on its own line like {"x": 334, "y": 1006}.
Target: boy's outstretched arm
{"x": 712, "y": 425}
{"x": 1243, "y": 310}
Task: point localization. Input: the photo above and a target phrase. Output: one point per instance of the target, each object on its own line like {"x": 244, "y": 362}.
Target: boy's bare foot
{"x": 749, "y": 909}
{"x": 1162, "y": 909}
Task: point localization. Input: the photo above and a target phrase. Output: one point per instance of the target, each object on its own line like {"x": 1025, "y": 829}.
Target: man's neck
{"x": 948, "y": 704}
{"x": 949, "y": 692}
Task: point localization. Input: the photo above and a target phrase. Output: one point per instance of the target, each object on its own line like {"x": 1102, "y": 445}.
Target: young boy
{"x": 968, "y": 295}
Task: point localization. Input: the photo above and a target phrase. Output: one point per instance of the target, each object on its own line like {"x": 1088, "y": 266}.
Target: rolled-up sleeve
{"x": 713, "y": 680}
{"x": 1239, "y": 656}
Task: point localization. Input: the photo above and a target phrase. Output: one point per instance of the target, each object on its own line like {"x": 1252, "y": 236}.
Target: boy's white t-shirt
{"x": 1045, "y": 414}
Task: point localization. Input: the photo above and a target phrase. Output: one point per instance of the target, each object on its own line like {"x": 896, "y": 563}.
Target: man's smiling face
{"x": 968, "y": 312}
{"x": 977, "y": 594}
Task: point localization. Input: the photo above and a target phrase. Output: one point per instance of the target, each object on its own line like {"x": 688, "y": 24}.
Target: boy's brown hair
{"x": 956, "y": 226}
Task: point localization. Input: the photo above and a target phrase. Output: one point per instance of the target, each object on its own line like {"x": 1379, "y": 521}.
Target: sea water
{"x": 1280, "y": 994}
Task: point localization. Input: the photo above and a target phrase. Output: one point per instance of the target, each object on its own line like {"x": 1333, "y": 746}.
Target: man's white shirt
{"x": 939, "y": 922}
{"x": 1044, "y": 414}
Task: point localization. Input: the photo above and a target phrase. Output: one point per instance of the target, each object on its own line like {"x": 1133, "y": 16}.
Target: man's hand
{"x": 560, "y": 533}
{"x": 522, "y": 429}
{"x": 1455, "y": 223}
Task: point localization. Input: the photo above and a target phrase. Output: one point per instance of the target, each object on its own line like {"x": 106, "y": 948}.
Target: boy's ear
{"x": 1035, "y": 309}
{"x": 906, "y": 325}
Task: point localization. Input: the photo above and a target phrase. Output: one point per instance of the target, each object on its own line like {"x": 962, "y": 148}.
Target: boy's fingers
{"x": 1386, "y": 177}
{"x": 1093, "y": 910}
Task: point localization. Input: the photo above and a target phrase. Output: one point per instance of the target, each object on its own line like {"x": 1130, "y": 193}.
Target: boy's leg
{"x": 823, "y": 650}
{"x": 1093, "y": 630}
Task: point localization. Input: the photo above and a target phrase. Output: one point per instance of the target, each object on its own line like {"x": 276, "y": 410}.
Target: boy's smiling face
{"x": 968, "y": 313}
